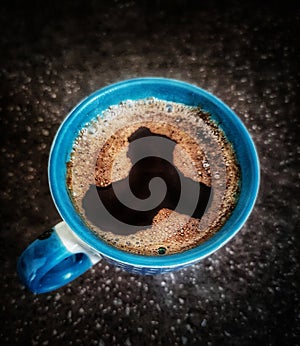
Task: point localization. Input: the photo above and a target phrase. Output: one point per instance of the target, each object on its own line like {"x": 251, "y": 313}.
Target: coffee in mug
{"x": 153, "y": 177}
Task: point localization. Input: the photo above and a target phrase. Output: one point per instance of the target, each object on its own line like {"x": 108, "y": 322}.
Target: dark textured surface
{"x": 52, "y": 55}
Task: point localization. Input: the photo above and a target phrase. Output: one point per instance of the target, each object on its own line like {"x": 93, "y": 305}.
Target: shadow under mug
{"x": 70, "y": 248}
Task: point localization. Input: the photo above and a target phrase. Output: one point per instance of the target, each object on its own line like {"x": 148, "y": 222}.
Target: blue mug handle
{"x": 57, "y": 257}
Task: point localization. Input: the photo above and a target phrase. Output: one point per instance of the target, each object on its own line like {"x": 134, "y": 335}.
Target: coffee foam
{"x": 202, "y": 153}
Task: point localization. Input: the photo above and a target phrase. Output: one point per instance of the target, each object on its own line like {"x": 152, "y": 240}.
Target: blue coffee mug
{"x": 70, "y": 248}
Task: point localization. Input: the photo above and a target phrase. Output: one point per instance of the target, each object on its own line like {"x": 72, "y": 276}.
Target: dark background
{"x": 52, "y": 54}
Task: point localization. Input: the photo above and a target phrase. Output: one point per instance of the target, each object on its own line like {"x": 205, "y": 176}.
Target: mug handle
{"x": 57, "y": 257}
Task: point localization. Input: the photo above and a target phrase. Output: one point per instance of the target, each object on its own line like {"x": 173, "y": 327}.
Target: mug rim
{"x": 64, "y": 205}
